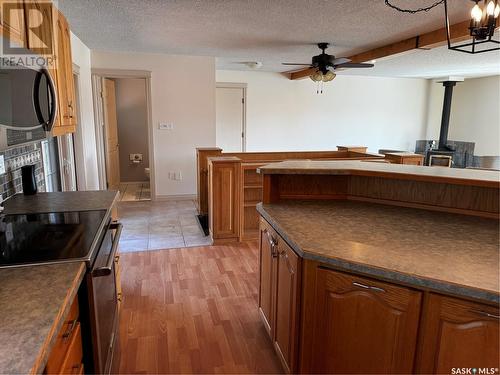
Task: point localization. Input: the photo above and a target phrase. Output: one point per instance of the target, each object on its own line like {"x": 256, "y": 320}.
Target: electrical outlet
{"x": 166, "y": 126}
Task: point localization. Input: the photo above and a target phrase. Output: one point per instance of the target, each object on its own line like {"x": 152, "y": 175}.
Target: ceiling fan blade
{"x": 354, "y": 65}
{"x": 296, "y": 64}
{"x": 340, "y": 60}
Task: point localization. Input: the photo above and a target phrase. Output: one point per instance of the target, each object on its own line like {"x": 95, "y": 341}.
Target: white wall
{"x": 183, "y": 93}
{"x": 475, "y": 113}
{"x": 87, "y": 174}
{"x": 372, "y": 111}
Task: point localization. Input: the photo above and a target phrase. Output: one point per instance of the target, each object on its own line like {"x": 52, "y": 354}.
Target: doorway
{"x": 124, "y": 139}
{"x": 231, "y": 116}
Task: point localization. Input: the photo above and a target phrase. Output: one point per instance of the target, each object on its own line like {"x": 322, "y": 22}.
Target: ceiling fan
{"x": 325, "y": 65}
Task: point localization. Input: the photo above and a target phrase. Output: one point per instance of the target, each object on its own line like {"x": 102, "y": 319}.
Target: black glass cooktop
{"x": 48, "y": 237}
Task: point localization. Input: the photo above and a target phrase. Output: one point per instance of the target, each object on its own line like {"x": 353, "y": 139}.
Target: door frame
{"x": 98, "y": 75}
{"x": 78, "y": 137}
{"x": 243, "y": 86}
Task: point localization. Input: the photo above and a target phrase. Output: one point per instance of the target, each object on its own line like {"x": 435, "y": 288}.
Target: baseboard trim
{"x": 182, "y": 197}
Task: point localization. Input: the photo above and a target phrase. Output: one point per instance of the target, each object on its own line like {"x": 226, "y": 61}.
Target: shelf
{"x": 252, "y": 187}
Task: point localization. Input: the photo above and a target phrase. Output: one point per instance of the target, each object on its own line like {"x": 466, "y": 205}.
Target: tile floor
{"x": 149, "y": 225}
{"x": 135, "y": 191}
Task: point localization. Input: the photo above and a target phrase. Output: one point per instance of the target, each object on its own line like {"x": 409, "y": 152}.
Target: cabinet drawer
{"x": 72, "y": 363}
{"x": 63, "y": 341}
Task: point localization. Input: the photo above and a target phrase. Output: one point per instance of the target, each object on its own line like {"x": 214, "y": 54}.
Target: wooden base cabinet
{"x": 268, "y": 240}
{"x": 326, "y": 321}
{"x": 67, "y": 354}
{"x": 362, "y": 325}
{"x": 279, "y": 295}
{"x": 459, "y": 334}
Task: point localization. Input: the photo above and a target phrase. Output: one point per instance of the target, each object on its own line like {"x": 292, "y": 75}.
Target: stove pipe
{"x": 445, "y": 118}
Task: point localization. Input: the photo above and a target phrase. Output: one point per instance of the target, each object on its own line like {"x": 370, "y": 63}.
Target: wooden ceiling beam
{"x": 433, "y": 39}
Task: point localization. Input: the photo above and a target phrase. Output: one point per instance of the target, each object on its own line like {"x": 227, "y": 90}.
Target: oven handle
{"x": 106, "y": 270}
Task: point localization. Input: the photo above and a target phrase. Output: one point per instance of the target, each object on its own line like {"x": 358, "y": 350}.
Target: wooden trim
{"x": 121, "y": 73}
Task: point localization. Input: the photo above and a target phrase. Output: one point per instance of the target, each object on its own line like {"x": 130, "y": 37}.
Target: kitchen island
{"x": 40, "y": 327}
{"x": 358, "y": 276}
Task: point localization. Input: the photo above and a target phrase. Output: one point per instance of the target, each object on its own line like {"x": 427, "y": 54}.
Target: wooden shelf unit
{"x": 229, "y": 186}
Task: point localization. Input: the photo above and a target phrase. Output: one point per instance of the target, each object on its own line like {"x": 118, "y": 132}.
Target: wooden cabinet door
{"x": 267, "y": 260}
{"x": 287, "y": 306}
{"x": 363, "y": 326}
{"x": 64, "y": 72}
{"x": 13, "y": 26}
{"x": 41, "y": 42}
{"x": 458, "y": 334}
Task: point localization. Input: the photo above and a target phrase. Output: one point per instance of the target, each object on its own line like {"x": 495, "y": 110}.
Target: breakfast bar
{"x": 399, "y": 258}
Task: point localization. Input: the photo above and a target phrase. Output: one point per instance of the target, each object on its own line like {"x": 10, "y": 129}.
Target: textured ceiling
{"x": 270, "y": 31}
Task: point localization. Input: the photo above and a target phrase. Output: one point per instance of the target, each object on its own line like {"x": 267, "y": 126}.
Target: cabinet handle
{"x": 284, "y": 255}
{"x": 272, "y": 242}
{"x": 484, "y": 313}
{"x": 375, "y": 288}
{"x": 70, "y": 330}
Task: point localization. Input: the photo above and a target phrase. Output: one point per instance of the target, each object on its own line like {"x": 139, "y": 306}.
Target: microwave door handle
{"x": 36, "y": 98}
{"x": 107, "y": 269}
{"x": 53, "y": 101}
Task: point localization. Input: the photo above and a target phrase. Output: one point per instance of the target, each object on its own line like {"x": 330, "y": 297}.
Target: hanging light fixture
{"x": 484, "y": 17}
{"x": 483, "y": 23}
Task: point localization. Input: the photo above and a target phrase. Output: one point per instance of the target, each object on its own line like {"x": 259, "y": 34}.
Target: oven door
{"x": 103, "y": 300}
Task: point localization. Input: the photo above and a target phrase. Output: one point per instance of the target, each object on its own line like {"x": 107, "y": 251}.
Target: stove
{"x": 56, "y": 237}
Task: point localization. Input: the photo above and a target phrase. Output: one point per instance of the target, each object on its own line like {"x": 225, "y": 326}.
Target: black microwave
{"x": 28, "y": 103}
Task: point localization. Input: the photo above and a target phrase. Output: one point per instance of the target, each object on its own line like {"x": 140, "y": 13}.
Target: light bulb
{"x": 490, "y": 9}
{"x": 317, "y": 76}
{"x": 497, "y": 11}
{"x": 329, "y": 76}
{"x": 476, "y": 13}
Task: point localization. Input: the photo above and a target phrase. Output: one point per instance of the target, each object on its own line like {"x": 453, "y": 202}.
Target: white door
{"x": 230, "y": 112}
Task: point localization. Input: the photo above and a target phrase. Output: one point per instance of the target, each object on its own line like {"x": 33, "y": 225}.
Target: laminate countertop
{"x": 34, "y": 302}
{"x": 449, "y": 253}
{"x": 61, "y": 202}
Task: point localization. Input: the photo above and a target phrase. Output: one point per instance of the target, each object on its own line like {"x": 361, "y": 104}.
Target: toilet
{"x": 146, "y": 172}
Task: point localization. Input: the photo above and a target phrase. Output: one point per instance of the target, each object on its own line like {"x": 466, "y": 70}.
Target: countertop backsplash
{"x": 15, "y": 158}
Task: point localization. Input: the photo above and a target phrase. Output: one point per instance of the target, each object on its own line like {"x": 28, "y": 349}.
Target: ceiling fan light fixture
{"x": 329, "y": 76}
{"x": 317, "y": 76}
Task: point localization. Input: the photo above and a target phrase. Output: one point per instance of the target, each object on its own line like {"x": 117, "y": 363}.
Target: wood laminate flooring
{"x": 193, "y": 311}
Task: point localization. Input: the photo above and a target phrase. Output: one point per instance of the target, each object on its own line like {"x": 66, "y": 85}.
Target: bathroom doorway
{"x": 125, "y": 135}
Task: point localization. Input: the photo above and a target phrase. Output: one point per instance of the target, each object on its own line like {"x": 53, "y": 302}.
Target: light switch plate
{"x": 166, "y": 126}
{"x": 2, "y": 165}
